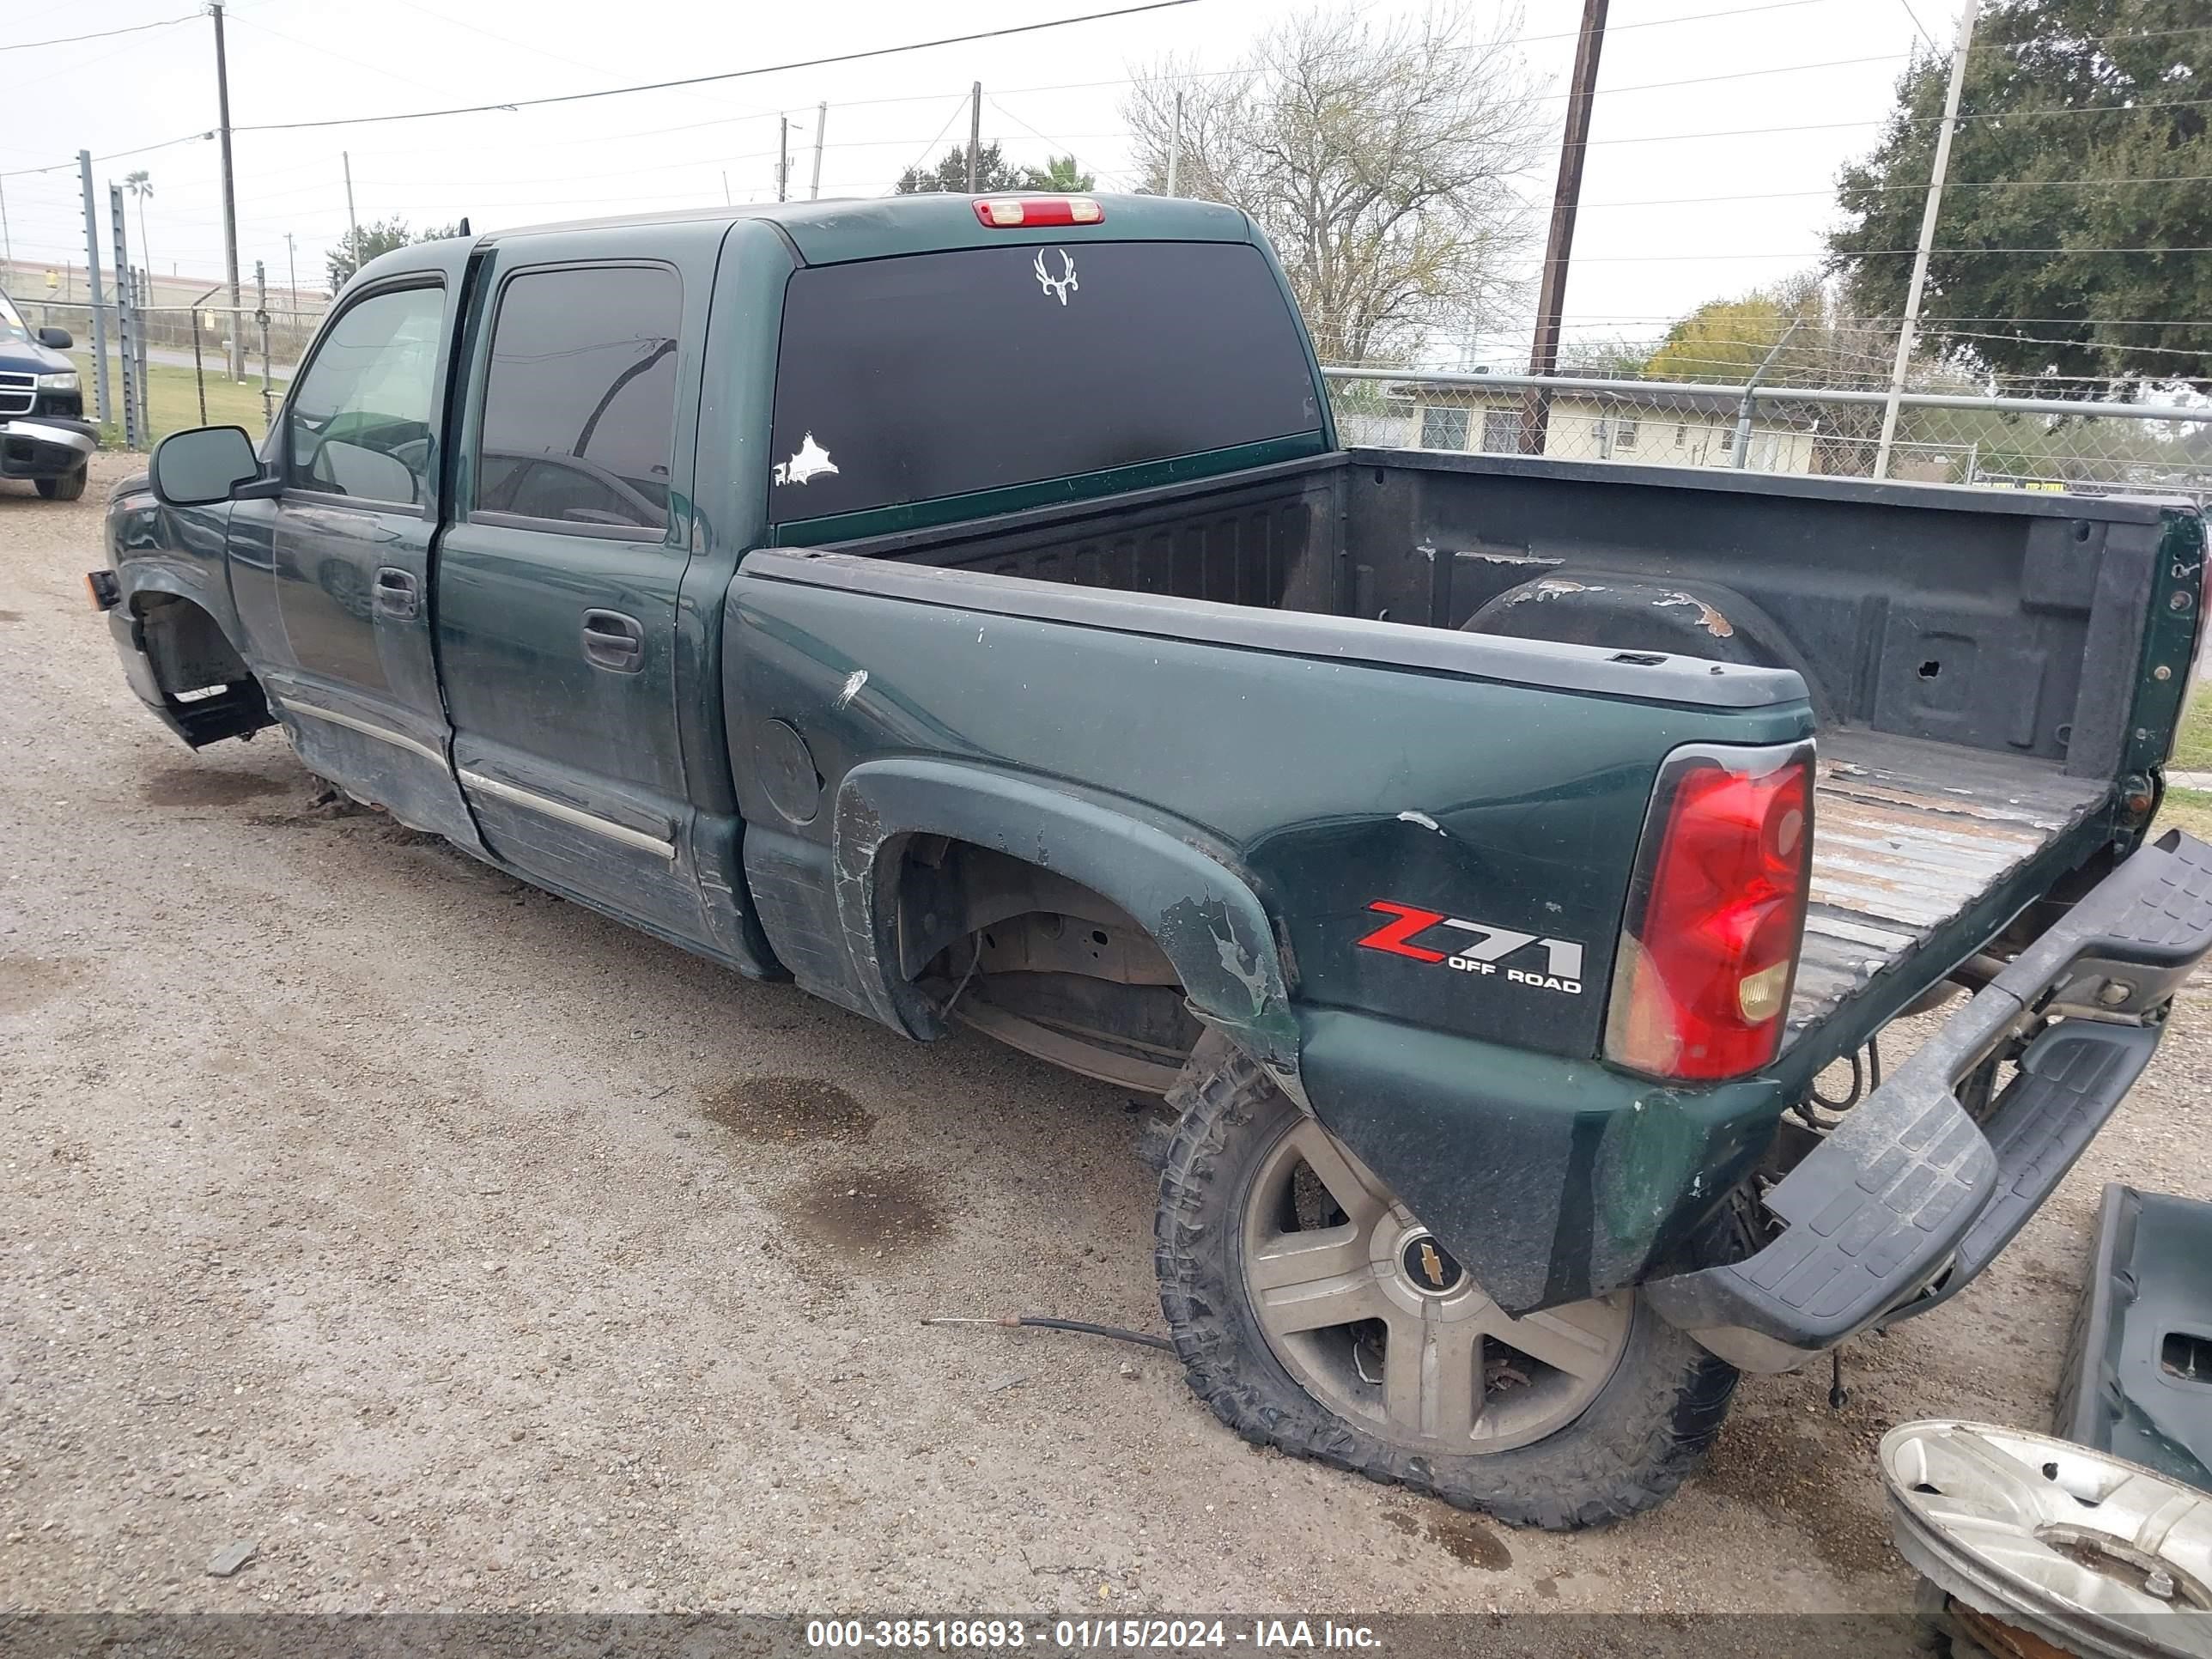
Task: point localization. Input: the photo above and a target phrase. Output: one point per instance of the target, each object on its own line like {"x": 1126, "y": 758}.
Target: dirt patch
{"x": 787, "y": 1109}
{"x": 1462, "y": 1537}
{"x": 1798, "y": 1476}
{"x": 880, "y": 1212}
{"x": 11, "y": 615}
{"x": 192, "y": 786}
{"x": 322, "y": 805}
{"x": 27, "y": 981}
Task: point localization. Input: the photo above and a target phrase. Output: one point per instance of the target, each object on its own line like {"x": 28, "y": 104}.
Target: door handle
{"x": 614, "y": 641}
{"x": 397, "y": 593}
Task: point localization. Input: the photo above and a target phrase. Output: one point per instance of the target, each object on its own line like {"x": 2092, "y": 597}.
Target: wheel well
{"x": 210, "y": 690}
{"x": 1040, "y": 962}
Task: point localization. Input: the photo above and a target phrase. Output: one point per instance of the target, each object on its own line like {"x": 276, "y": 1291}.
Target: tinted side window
{"x": 580, "y": 405}
{"x": 359, "y": 421}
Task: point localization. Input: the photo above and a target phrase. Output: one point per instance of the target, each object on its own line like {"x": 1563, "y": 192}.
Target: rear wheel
{"x": 67, "y": 488}
{"x": 1314, "y": 1313}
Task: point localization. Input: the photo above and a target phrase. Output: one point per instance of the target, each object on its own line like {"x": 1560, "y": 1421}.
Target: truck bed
{"x": 1958, "y": 645}
{"x": 1907, "y": 835}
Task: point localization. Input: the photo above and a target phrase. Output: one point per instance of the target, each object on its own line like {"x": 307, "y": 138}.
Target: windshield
{"x": 12, "y": 326}
{"x": 937, "y": 374}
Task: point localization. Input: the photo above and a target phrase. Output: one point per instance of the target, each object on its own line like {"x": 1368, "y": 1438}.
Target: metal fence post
{"x": 1742, "y": 457}
{"x": 101, "y": 407}
{"x": 126, "y": 319}
{"x": 145, "y": 291}
{"x": 261, "y": 316}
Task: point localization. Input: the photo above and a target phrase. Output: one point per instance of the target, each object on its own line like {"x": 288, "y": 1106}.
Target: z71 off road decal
{"x": 1563, "y": 957}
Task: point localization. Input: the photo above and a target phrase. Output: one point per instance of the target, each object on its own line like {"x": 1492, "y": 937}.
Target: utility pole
{"x": 1552, "y": 294}
{"x": 292, "y": 270}
{"x": 726, "y": 188}
{"x": 783, "y": 154}
{"x": 353, "y": 225}
{"x": 1175, "y": 147}
{"x": 1927, "y": 216}
{"x": 101, "y": 407}
{"x": 6, "y": 241}
{"x": 821, "y": 120}
{"x": 974, "y": 133}
{"x": 229, "y": 198}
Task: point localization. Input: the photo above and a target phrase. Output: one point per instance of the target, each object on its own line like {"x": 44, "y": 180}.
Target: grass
{"x": 2192, "y": 743}
{"x": 173, "y": 399}
{"x": 2185, "y": 809}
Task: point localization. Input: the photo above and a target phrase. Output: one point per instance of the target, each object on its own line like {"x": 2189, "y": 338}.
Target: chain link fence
{"x": 179, "y": 374}
{"x": 2013, "y": 443}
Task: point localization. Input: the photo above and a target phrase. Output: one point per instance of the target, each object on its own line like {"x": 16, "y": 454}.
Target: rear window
{"x": 935, "y": 374}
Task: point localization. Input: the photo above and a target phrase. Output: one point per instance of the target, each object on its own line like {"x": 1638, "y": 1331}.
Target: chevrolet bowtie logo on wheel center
{"x": 1430, "y": 1265}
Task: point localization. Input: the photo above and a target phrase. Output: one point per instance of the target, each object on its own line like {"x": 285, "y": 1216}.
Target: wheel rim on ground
{"x": 2089, "y": 1552}
{"x": 1370, "y": 1315}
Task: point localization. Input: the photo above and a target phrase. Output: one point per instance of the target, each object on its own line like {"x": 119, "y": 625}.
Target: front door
{"x": 337, "y": 567}
{"x": 558, "y": 580}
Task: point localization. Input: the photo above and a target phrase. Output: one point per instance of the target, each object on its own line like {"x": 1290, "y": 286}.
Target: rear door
{"x": 557, "y": 578}
{"x": 334, "y": 574}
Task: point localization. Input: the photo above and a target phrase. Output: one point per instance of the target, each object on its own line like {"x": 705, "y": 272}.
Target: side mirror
{"x": 56, "y": 339}
{"x": 204, "y": 465}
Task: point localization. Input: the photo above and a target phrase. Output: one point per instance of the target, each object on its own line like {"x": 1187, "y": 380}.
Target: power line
{"x": 2097, "y": 39}
{"x": 114, "y": 155}
{"x": 2037, "y": 339}
{"x": 1878, "y": 252}
{"x": 1830, "y": 126}
{"x": 726, "y": 75}
{"x": 1992, "y": 184}
{"x": 1053, "y": 143}
{"x": 957, "y": 108}
{"x": 1743, "y": 75}
{"x": 100, "y": 34}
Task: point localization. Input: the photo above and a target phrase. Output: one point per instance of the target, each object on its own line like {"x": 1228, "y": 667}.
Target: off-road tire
{"x": 67, "y": 488}
{"x": 1643, "y": 1434}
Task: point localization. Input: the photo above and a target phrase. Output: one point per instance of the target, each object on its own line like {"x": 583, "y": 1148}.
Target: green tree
{"x": 951, "y": 173}
{"x": 358, "y": 247}
{"x": 2084, "y": 131}
{"x": 1821, "y": 343}
{"x": 1060, "y": 175}
{"x": 1617, "y": 357}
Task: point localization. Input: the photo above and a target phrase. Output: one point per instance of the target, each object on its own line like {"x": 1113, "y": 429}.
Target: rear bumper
{"x": 44, "y": 445}
{"x": 1911, "y": 1197}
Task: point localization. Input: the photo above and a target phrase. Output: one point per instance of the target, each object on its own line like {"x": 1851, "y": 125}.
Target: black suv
{"x": 43, "y": 436}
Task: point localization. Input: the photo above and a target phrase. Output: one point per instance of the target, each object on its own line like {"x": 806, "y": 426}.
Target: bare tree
{"x": 1380, "y": 159}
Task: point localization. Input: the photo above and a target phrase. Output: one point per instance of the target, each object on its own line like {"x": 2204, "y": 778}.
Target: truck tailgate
{"x": 1920, "y": 850}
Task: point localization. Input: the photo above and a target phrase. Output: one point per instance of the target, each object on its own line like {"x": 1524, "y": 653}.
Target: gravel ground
{"x": 463, "y": 1249}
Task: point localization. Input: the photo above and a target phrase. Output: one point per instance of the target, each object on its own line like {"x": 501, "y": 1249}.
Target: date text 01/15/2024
{"x": 1086, "y": 1635}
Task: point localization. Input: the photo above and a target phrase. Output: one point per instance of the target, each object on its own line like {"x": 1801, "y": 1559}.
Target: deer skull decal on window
{"x": 1061, "y": 286}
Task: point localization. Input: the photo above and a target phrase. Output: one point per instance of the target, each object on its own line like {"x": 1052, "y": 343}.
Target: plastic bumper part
{"x": 1910, "y": 1196}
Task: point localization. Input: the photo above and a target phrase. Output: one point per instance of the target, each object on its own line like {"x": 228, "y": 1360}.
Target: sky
{"x": 1719, "y": 127}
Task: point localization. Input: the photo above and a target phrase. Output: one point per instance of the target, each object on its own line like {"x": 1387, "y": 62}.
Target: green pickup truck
{"x": 961, "y": 607}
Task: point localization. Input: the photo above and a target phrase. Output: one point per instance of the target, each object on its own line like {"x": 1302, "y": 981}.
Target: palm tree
{"x": 140, "y": 184}
{"x": 1061, "y": 174}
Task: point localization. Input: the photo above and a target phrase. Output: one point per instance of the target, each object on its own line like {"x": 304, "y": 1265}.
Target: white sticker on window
{"x": 1058, "y": 287}
{"x": 811, "y": 461}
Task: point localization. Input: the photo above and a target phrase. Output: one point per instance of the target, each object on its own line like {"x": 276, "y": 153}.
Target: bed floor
{"x": 1906, "y": 834}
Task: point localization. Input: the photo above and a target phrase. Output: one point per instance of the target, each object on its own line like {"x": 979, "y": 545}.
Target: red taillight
{"x": 1007, "y": 212}
{"x": 1701, "y": 985}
